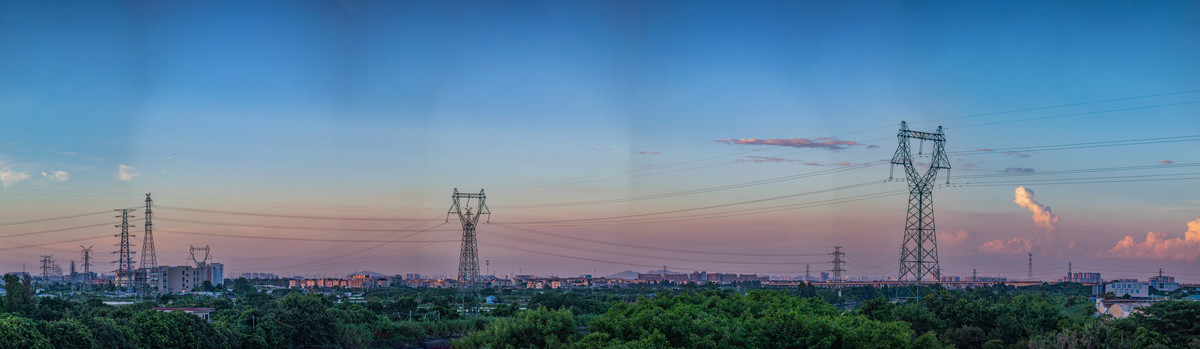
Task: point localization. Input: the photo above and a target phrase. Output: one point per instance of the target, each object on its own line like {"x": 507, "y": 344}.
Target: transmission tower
{"x": 73, "y": 274}
{"x": 125, "y": 253}
{"x": 47, "y": 267}
{"x": 837, "y": 264}
{"x": 149, "y": 259}
{"x": 918, "y": 251}
{"x": 468, "y": 261}
{"x": 807, "y": 273}
{"x": 86, "y": 253}
{"x": 192, "y": 255}
{"x": 1030, "y": 276}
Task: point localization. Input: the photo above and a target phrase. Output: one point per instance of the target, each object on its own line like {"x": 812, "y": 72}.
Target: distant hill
{"x": 628, "y": 275}
{"x": 632, "y": 275}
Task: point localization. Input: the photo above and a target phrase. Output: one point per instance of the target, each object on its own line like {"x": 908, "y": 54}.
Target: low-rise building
{"x": 1133, "y": 289}
{"x": 201, "y": 312}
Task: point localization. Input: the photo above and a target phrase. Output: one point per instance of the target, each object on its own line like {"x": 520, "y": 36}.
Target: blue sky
{"x": 390, "y": 105}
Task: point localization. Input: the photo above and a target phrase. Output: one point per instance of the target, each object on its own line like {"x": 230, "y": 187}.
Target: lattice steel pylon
{"x": 149, "y": 260}
{"x": 124, "y": 277}
{"x": 918, "y": 251}
{"x": 468, "y": 261}
{"x": 837, "y": 262}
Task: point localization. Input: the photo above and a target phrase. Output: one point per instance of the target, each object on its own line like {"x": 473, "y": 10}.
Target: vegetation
{"x": 658, "y": 316}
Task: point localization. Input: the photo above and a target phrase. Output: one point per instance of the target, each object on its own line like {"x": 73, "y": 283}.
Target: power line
{"x": 525, "y": 229}
{"x": 285, "y": 238}
{"x": 240, "y": 213}
{"x": 550, "y": 244}
{"x": 53, "y": 218}
{"x": 700, "y": 190}
{"x": 54, "y": 230}
{"x": 246, "y": 225}
{"x": 701, "y": 208}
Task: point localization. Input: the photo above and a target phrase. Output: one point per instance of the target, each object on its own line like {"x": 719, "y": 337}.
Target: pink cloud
{"x": 1018, "y": 170}
{"x": 819, "y": 143}
{"x": 648, "y": 152}
{"x": 954, "y": 237}
{"x": 1014, "y": 246}
{"x": 1166, "y": 162}
{"x": 844, "y": 163}
{"x": 762, "y": 159}
{"x": 1161, "y": 246}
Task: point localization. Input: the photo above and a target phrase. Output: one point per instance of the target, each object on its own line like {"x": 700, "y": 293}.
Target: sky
{"x": 320, "y": 138}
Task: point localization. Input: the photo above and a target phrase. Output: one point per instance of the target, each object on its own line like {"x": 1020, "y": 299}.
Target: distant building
{"x": 184, "y": 278}
{"x": 257, "y": 275}
{"x": 1133, "y": 289}
{"x": 1119, "y": 308}
{"x": 1083, "y": 278}
{"x": 1164, "y": 283}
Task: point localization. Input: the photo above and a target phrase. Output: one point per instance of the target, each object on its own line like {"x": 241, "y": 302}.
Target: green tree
{"x": 68, "y": 333}
{"x": 19, "y": 332}
{"x": 536, "y": 328}
{"x": 18, "y": 297}
{"x": 306, "y": 319}
{"x": 1177, "y": 321}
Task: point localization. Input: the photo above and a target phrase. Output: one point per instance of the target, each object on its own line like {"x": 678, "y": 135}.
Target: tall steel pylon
{"x": 837, "y": 264}
{"x": 47, "y": 268}
{"x": 149, "y": 259}
{"x": 124, "y": 260}
{"x": 192, "y": 255}
{"x": 918, "y": 251}
{"x": 86, "y": 254}
{"x": 468, "y": 261}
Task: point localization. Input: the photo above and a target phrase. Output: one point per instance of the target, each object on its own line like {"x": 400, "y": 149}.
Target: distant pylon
{"x": 1030, "y": 276}
{"x": 47, "y": 267}
{"x": 807, "y": 273}
{"x": 918, "y": 251}
{"x": 192, "y": 255}
{"x": 149, "y": 260}
{"x": 468, "y": 261}
{"x": 86, "y": 254}
{"x": 837, "y": 263}
{"x": 124, "y": 260}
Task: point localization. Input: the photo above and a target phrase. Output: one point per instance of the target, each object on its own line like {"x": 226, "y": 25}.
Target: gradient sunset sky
{"x": 608, "y": 135}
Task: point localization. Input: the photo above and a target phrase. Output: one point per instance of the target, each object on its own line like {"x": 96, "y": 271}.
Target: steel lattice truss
{"x": 918, "y": 252}
{"x": 468, "y": 262}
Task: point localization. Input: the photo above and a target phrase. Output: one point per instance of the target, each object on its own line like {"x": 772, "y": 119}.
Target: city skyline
{"x": 608, "y": 137}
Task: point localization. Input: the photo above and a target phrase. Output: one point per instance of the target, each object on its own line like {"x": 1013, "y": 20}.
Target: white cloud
{"x": 126, "y": 172}
{"x": 56, "y": 176}
{"x": 1002, "y": 247}
{"x": 8, "y": 176}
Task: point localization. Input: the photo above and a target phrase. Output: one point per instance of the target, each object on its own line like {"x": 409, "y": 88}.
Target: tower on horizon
{"x": 918, "y": 250}
{"x": 468, "y": 260}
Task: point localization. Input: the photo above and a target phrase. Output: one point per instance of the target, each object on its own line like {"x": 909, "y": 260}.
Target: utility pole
{"x": 149, "y": 259}
{"x": 837, "y": 264}
{"x": 468, "y": 260}
{"x": 124, "y": 260}
{"x": 918, "y": 251}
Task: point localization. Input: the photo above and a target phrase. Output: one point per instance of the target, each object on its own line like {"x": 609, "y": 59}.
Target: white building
{"x": 1133, "y": 289}
{"x": 1164, "y": 283}
{"x": 183, "y": 279}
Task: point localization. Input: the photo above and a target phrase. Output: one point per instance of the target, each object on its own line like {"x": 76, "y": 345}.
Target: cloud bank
{"x": 56, "y": 176}
{"x": 1161, "y": 246}
{"x": 1002, "y": 247}
{"x": 817, "y": 143}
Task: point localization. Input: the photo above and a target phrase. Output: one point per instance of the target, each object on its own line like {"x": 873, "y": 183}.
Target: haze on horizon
{"x": 303, "y": 138}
